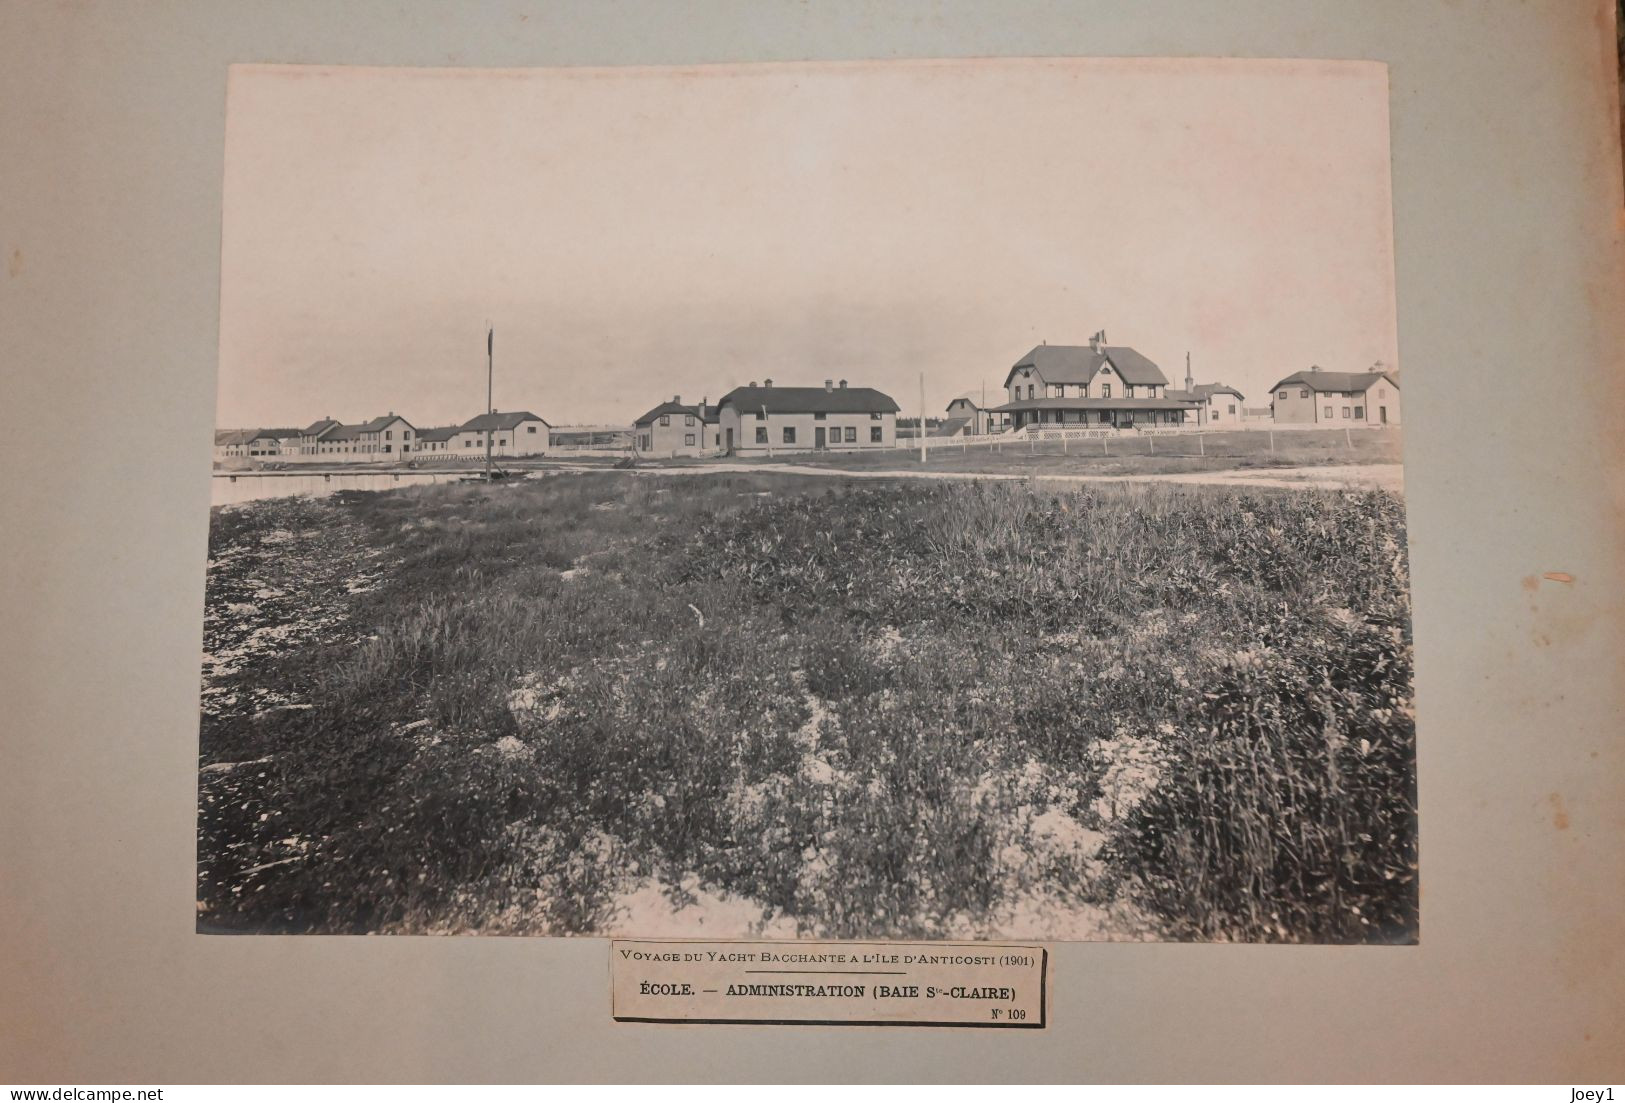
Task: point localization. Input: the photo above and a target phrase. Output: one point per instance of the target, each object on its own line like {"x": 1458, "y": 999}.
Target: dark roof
{"x": 952, "y": 427}
{"x": 1203, "y": 391}
{"x": 704, "y": 413}
{"x": 1335, "y": 380}
{"x": 439, "y": 432}
{"x": 809, "y": 400}
{"x": 378, "y": 423}
{"x": 229, "y": 436}
{"x": 317, "y": 428}
{"x": 1079, "y": 363}
{"x": 273, "y": 434}
{"x": 500, "y": 420}
{"x": 1094, "y": 404}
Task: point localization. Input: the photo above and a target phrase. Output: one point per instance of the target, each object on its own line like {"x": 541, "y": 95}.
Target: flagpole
{"x": 490, "y": 367}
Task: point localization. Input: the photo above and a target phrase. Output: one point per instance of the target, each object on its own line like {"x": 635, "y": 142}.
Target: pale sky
{"x": 633, "y": 234}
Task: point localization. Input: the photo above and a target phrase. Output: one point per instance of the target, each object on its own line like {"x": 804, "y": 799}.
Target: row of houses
{"x": 390, "y": 438}
{"x": 1115, "y": 386}
{"x": 1098, "y": 385}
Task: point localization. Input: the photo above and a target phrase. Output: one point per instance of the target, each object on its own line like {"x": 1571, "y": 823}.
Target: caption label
{"x": 830, "y": 983}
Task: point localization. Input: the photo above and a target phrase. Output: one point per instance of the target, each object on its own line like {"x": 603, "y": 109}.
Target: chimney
{"x": 843, "y": 384}
{"x": 1094, "y": 343}
{"x": 753, "y": 382}
{"x": 1314, "y": 367}
{"x": 767, "y": 382}
{"x": 677, "y": 399}
{"x": 829, "y": 384}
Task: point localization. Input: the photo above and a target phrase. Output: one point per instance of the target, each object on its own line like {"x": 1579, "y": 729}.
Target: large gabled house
{"x": 308, "y": 443}
{"x": 508, "y": 433}
{"x": 1336, "y": 399}
{"x": 760, "y": 419}
{"x": 673, "y": 429}
{"x": 1093, "y": 385}
{"x": 383, "y": 438}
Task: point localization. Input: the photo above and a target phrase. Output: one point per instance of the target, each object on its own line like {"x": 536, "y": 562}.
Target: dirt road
{"x": 1385, "y": 476}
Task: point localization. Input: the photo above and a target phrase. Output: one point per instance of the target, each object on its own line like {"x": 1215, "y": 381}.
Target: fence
{"x": 1175, "y": 440}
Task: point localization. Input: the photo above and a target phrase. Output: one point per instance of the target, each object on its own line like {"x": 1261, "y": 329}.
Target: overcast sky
{"x": 635, "y": 234}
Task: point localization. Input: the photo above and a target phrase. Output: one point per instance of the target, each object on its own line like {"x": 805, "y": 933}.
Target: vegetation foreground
{"x": 591, "y": 702}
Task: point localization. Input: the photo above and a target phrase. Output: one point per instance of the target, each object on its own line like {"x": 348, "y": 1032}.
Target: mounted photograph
{"x": 914, "y": 499}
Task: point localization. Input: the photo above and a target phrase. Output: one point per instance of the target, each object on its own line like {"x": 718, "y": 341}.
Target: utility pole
{"x": 922, "y": 417}
{"x": 490, "y": 368}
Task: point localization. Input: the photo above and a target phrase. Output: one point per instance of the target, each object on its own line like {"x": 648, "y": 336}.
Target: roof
{"x": 1335, "y": 380}
{"x": 440, "y": 432}
{"x": 500, "y": 420}
{"x": 809, "y": 400}
{"x": 272, "y": 434}
{"x": 969, "y": 400}
{"x": 951, "y": 427}
{"x": 317, "y": 428}
{"x": 1203, "y": 391}
{"x": 704, "y": 413}
{"x": 1094, "y": 404}
{"x": 378, "y": 423}
{"x": 1079, "y": 363}
{"x": 229, "y": 436}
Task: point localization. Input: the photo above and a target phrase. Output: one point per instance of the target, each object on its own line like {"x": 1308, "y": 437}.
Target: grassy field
{"x": 581, "y": 703}
{"x": 1128, "y": 455}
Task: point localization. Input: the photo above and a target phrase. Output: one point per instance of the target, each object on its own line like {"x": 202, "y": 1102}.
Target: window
{"x": 665, "y": 419}
{"x": 1303, "y": 392}
{"x": 1346, "y": 411}
{"x": 1359, "y": 413}
{"x": 530, "y": 429}
{"x": 688, "y": 440}
{"x": 1328, "y": 411}
{"x": 1281, "y": 395}
{"x": 389, "y": 434}
{"x": 688, "y": 419}
{"x": 820, "y": 417}
{"x": 1105, "y": 390}
{"x": 789, "y": 434}
{"x": 874, "y": 434}
{"x": 851, "y": 434}
{"x": 761, "y": 434}
{"x": 1382, "y": 392}
{"x": 1029, "y": 390}
{"x": 1232, "y": 408}
{"x": 874, "y": 417}
{"x": 1057, "y": 391}
{"x": 502, "y": 442}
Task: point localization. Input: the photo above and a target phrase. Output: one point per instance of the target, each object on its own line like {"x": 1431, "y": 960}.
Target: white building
{"x": 757, "y": 420}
